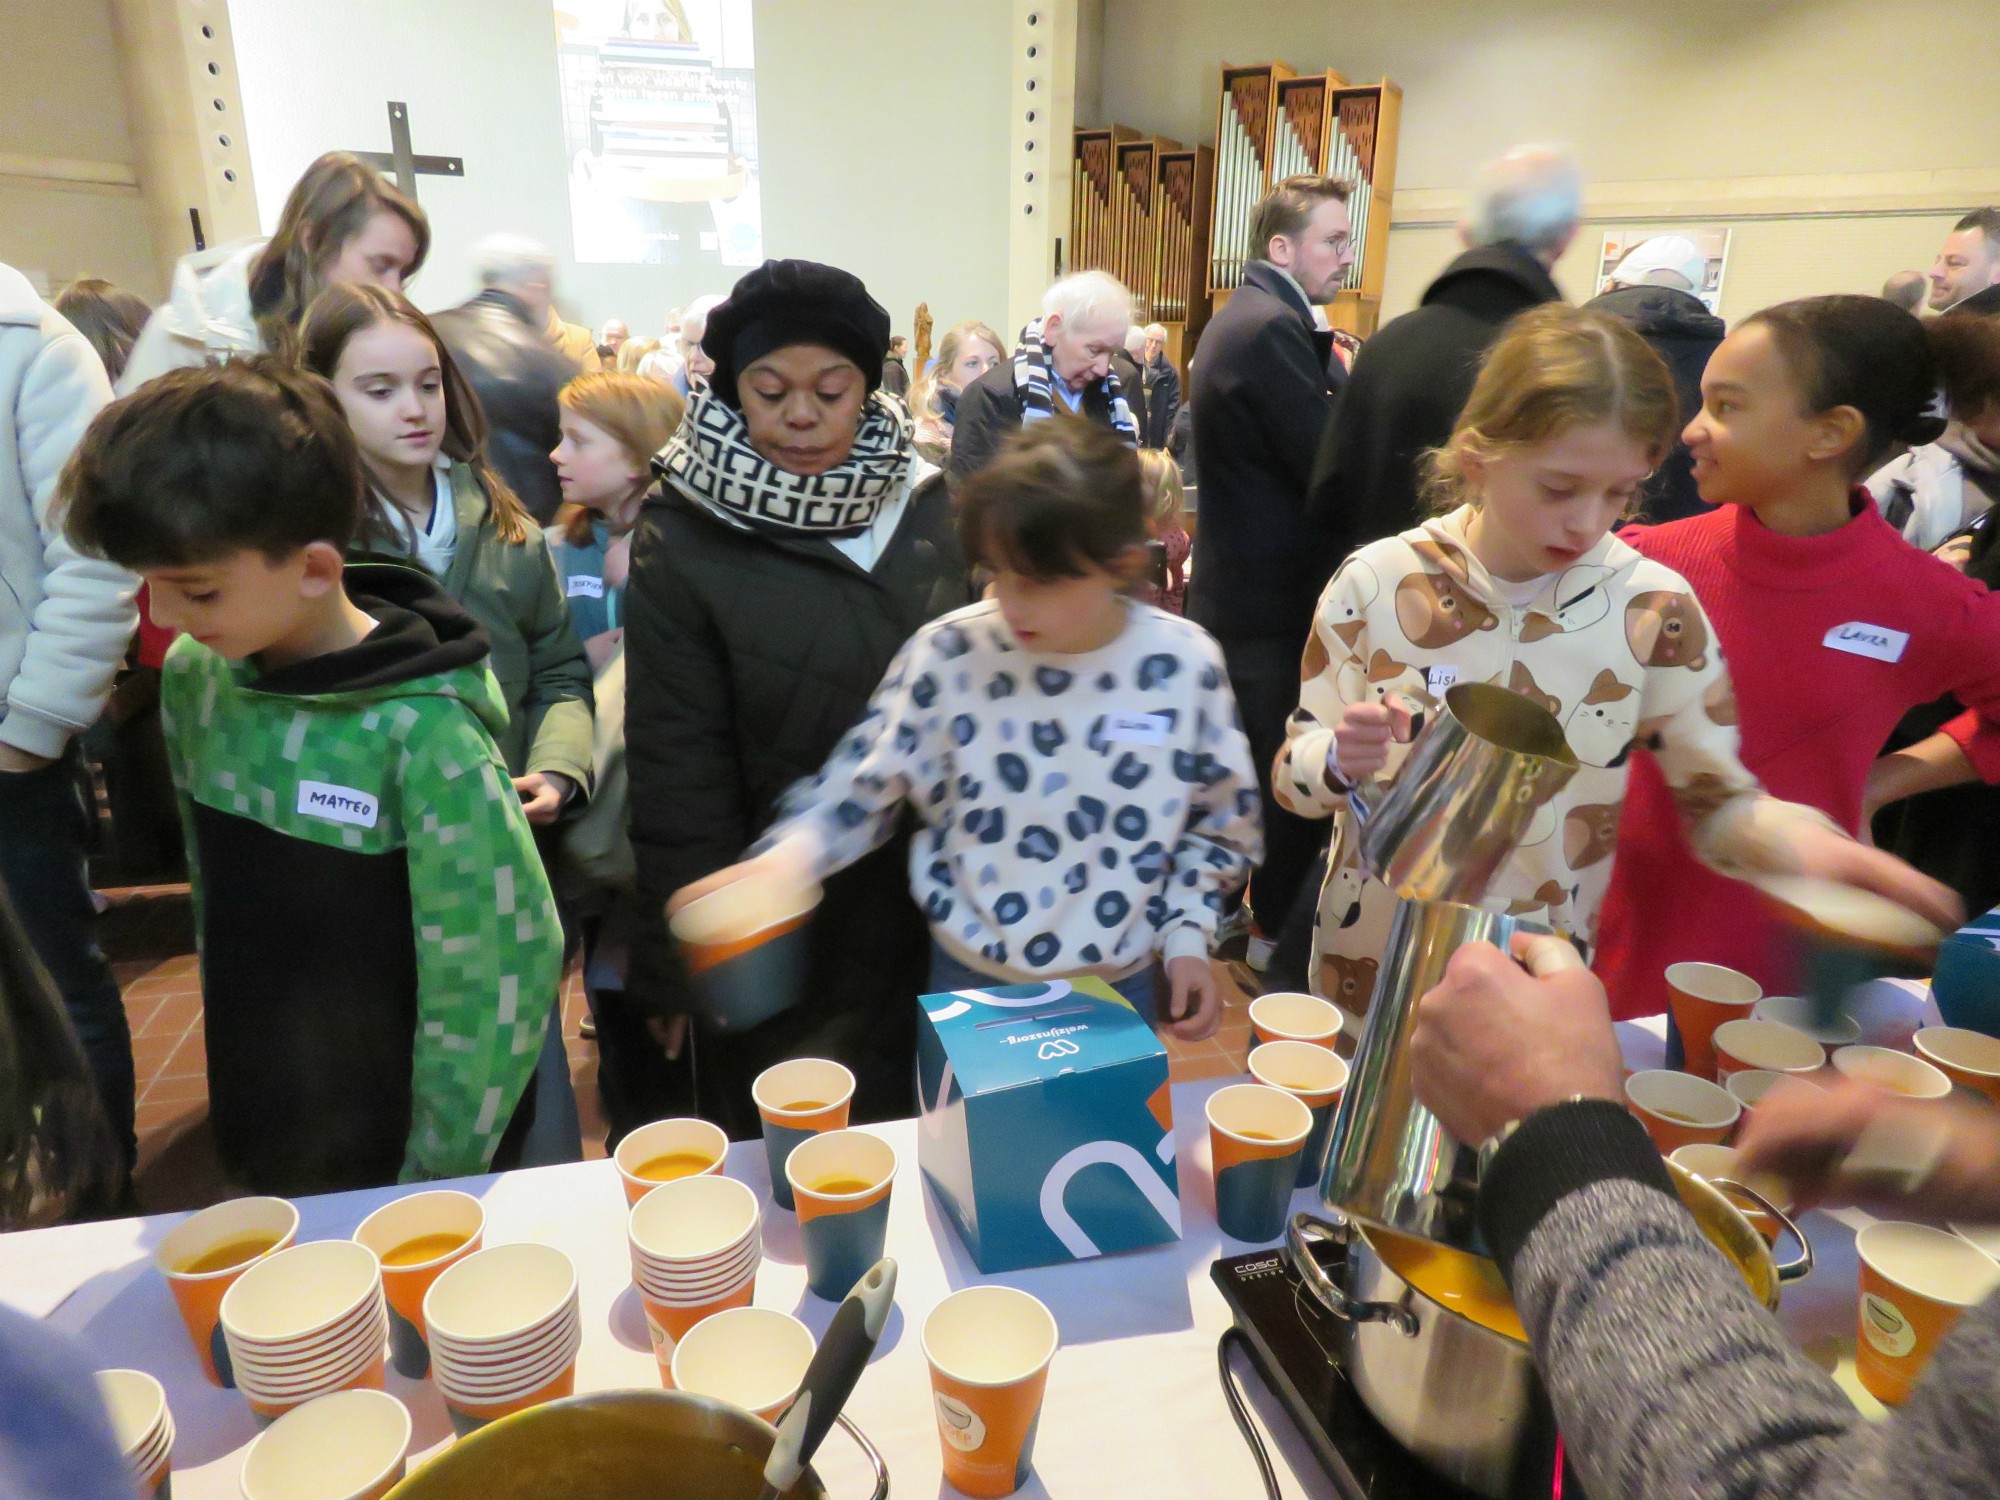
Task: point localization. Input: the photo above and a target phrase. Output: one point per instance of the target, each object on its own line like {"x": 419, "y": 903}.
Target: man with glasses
{"x": 1261, "y": 394}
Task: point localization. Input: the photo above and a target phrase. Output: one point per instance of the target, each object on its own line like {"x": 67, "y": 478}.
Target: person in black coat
{"x": 516, "y": 373}
{"x": 1163, "y": 390}
{"x": 1062, "y": 364}
{"x": 1260, "y": 393}
{"x": 778, "y": 567}
{"x": 1411, "y": 379}
{"x": 1653, "y": 289}
{"x": 1127, "y": 365}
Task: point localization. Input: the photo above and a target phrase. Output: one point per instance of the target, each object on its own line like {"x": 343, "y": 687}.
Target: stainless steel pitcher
{"x": 1473, "y": 781}
{"x": 1391, "y": 1161}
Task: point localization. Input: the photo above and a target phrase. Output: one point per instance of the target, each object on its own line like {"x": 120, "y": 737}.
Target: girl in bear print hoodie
{"x": 1522, "y": 584}
{"x": 1075, "y": 757}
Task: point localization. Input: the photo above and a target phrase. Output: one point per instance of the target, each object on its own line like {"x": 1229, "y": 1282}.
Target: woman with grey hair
{"x": 1062, "y": 363}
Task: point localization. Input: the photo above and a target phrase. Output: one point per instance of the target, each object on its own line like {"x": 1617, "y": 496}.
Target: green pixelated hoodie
{"x": 379, "y": 948}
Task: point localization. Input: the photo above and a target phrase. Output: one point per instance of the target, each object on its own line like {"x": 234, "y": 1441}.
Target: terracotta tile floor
{"x": 147, "y": 933}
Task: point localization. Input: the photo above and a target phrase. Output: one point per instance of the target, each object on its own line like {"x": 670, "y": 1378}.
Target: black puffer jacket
{"x": 990, "y": 408}
{"x": 748, "y": 656}
{"x": 516, "y": 374}
{"x": 1684, "y": 333}
{"x": 1407, "y": 387}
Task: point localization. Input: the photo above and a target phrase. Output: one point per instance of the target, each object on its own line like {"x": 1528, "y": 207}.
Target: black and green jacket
{"x": 379, "y": 948}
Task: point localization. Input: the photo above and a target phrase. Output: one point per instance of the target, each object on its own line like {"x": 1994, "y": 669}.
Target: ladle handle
{"x": 843, "y": 1354}
{"x": 1791, "y": 1270}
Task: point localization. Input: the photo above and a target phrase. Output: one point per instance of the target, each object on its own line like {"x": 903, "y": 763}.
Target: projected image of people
{"x": 660, "y": 124}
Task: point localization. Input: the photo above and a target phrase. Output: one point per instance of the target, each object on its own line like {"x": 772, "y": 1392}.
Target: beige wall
{"x": 1863, "y": 124}
{"x": 69, "y": 194}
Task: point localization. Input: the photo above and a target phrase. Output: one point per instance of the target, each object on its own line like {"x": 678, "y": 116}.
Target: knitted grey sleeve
{"x": 1670, "y": 1382}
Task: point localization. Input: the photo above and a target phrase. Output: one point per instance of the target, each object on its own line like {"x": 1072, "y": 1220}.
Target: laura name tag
{"x": 583, "y": 586}
{"x": 1877, "y": 642}
{"x": 337, "y": 804}
{"x": 1136, "y": 729}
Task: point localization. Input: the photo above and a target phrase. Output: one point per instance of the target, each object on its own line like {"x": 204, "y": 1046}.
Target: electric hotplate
{"x": 1298, "y": 1346}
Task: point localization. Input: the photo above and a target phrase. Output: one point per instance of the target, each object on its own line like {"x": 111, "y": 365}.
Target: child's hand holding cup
{"x": 742, "y": 932}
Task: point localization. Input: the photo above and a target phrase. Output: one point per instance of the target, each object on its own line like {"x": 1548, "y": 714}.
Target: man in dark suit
{"x": 1410, "y": 380}
{"x": 1260, "y": 393}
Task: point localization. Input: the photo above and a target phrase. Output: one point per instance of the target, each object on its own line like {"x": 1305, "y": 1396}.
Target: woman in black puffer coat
{"x": 790, "y": 549}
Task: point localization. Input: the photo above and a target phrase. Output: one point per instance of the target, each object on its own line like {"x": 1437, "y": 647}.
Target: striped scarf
{"x": 1034, "y": 376}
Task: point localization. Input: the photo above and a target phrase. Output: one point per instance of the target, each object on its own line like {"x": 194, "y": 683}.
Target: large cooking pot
{"x": 1463, "y": 1396}
{"x": 618, "y": 1445}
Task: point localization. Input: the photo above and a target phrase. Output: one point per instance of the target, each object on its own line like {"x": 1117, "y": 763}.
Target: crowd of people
{"x": 479, "y": 643}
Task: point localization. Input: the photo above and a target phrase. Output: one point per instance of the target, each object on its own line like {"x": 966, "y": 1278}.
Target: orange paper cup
{"x": 751, "y": 1357}
{"x": 1898, "y": 1072}
{"x": 1287, "y": 1017}
{"x": 989, "y": 1349}
{"x": 1765, "y": 1047}
{"x": 417, "y": 1239}
{"x": 1702, "y": 997}
{"x": 1970, "y": 1059}
{"x": 1915, "y": 1283}
{"x": 347, "y": 1446}
{"x": 670, "y": 1150}
{"x": 805, "y": 1097}
{"x": 242, "y": 1222}
{"x": 1679, "y": 1109}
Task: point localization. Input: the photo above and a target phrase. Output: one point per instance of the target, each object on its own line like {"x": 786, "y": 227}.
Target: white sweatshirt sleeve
{"x": 1224, "y": 835}
{"x": 1300, "y": 779}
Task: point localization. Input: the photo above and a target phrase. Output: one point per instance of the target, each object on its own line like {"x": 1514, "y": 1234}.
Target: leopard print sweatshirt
{"x": 1615, "y": 646}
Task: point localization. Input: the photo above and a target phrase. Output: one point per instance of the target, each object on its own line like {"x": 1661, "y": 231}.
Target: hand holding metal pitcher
{"x": 1477, "y": 773}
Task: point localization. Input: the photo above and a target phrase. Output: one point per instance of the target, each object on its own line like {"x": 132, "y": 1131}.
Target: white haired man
{"x": 1163, "y": 388}
{"x": 1410, "y": 380}
{"x": 502, "y": 340}
{"x": 1062, "y": 363}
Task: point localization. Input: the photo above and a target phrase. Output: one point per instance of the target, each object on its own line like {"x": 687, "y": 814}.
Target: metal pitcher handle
{"x": 868, "y": 1452}
{"x": 1792, "y": 1270}
{"x": 1304, "y": 1230}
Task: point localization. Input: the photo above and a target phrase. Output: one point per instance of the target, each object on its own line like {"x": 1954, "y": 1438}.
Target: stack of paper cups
{"x": 306, "y": 1322}
{"x": 505, "y": 1326}
{"x": 696, "y": 1247}
{"x": 143, "y": 1426}
{"x": 347, "y": 1446}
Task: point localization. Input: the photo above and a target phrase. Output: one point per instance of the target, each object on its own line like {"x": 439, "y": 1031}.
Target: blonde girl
{"x": 966, "y": 352}
{"x": 1517, "y": 580}
{"x": 1166, "y": 522}
{"x": 612, "y": 425}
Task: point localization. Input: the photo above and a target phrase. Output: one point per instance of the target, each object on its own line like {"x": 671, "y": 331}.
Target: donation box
{"x": 1046, "y": 1126}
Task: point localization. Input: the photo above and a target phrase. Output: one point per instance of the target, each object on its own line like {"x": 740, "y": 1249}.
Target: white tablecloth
{"x": 1133, "y": 1406}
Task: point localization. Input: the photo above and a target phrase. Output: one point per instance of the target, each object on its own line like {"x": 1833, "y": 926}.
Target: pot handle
{"x": 1792, "y": 1270}
{"x": 868, "y": 1452}
{"x": 1303, "y": 1232}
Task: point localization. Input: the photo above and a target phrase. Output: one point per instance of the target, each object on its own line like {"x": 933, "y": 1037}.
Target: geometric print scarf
{"x": 710, "y": 458}
{"x": 1033, "y": 374}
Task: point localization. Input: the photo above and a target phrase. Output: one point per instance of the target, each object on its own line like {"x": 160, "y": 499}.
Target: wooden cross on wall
{"x": 399, "y": 161}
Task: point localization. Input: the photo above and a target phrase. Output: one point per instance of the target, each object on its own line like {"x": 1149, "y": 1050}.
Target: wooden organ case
{"x": 1139, "y": 208}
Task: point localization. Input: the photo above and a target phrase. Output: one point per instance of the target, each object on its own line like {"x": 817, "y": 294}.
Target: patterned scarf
{"x": 710, "y": 458}
{"x": 1034, "y": 377}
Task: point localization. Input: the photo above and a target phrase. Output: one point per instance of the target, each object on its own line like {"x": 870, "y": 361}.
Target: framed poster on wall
{"x": 1709, "y": 244}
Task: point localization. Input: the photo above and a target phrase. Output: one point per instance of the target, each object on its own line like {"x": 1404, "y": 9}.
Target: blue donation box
{"x": 1047, "y": 1130}
{"x": 1967, "y": 979}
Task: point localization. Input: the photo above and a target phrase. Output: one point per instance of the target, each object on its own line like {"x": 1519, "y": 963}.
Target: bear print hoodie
{"x": 1615, "y": 646}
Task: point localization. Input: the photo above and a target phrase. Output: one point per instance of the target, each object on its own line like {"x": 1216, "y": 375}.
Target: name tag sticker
{"x": 337, "y": 804}
{"x": 1440, "y": 677}
{"x": 1136, "y": 729}
{"x": 1877, "y": 642}
{"x": 583, "y": 586}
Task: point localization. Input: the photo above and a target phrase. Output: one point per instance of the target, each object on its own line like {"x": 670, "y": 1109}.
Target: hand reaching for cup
{"x": 1362, "y": 738}
{"x": 1828, "y": 854}
{"x": 1854, "y": 1143}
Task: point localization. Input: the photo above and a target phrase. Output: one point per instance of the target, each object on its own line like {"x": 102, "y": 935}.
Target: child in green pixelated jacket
{"x": 379, "y": 948}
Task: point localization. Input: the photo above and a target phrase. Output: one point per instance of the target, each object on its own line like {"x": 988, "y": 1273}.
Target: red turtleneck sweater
{"x": 1813, "y": 717}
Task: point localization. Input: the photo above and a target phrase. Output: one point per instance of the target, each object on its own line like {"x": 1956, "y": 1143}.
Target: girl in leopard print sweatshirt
{"x": 1520, "y": 583}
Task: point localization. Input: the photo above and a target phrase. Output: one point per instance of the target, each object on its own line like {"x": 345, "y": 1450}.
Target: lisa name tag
{"x": 1877, "y": 642}
{"x": 1136, "y": 729}
{"x": 583, "y": 586}
{"x": 337, "y": 804}
{"x": 1439, "y": 678}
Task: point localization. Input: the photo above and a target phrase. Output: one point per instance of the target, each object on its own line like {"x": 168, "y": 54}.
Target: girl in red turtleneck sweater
{"x": 1832, "y": 624}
